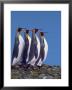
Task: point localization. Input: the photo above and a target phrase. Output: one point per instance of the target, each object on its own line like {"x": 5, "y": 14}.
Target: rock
{"x": 48, "y": 77}
{"x": 45, "y": 72}
{"x": 41, "y": 76}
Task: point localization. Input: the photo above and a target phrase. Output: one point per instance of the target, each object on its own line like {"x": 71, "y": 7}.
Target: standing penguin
{"x": 43, "y": 50}
{"x": 18, "y": 48}
{"x": 34, "y": 49}
{"x": 26, "y": 49}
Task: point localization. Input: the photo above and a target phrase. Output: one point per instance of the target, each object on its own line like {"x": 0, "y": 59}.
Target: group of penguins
{"x": 29, "y": 50}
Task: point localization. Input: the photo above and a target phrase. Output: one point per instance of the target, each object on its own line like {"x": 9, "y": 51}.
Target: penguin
{"x": 26, "y": 48}
{"x": 43, "y": 50}
{"x": 18, "y": 48}
{"x": 34, "y": 49}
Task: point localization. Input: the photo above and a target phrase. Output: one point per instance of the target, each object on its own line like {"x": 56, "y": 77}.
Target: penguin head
{"x": 27, "y": 31}
{"x": 19, "y": 30}
{"x": 41, "y": 33}
{"x": 35, "y": 30}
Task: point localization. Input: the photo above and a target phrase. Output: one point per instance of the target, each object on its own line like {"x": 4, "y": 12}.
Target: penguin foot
{"x": 15, "y": 67}
{"x": 24, "y": 66}
{"x": 20, "y": 66}
{"x": 39, "y": 67}
{"x": 33, "y": 68}
{"x": 27, "y": 66}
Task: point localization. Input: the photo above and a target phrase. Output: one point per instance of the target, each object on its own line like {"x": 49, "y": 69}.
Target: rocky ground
{"x": 45, "y": 72}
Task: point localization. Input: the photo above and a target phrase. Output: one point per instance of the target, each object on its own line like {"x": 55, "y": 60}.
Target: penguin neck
{"x": 33, "y": 35}
{"x": 42, "y": 39}
{"x": 27, "y": 34}
{"x": 26, "y": 37}
{"x": 17, "y": 35}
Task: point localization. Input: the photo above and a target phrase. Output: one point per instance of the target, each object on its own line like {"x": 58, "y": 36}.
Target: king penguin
{"x": 43, "y": 50}
{"x": 18, "y": 48}
{"x": 27, "y": 47}
{"x": 34, "y": 49}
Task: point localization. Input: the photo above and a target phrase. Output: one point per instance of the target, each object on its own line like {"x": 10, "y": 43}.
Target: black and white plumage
{"x": 43, "y": 50}
{"x": 29, "y": 51}
{"x": 18, "y": 48}
{"x": 34, "y": 49}
{"x": 26, "y": 49}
